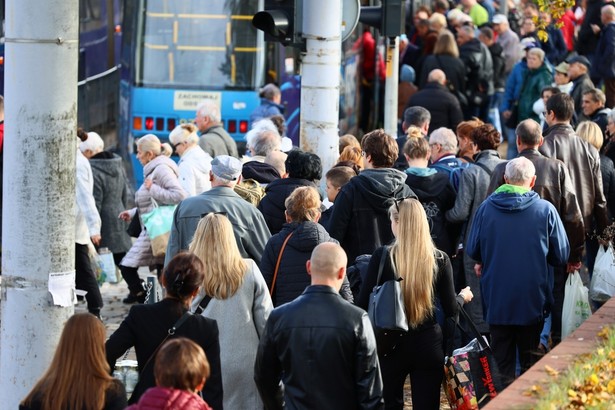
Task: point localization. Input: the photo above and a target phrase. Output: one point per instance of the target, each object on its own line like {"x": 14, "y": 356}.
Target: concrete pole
{"x": 391, "y": 86}
{"x": 320, "y": 79}
{"x": 39, "y": 186}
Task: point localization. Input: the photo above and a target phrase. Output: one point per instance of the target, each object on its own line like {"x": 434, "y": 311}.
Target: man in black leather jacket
{"x": 321, "y": 347}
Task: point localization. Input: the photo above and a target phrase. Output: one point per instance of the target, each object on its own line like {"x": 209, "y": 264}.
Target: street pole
{"x": 39, "y": 187}
{"x": 392, "y": 83}
{"x": 320, "y": 79}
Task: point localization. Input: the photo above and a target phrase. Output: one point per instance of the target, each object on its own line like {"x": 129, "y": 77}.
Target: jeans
{"x": 511, "y": 137}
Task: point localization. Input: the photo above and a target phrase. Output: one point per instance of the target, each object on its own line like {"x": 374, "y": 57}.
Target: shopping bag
{"x": 107, "y": 263}
{"x": 602, "y": 286}
{"x": 471, "y": 376}
{"x": 158, "y": 226}
{"x": 576, "y": 304}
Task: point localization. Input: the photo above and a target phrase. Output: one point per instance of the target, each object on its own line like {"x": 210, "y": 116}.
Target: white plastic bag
{"x": 576, "y": 304}
{"x": 602, "y": 286}
{"x": 108, "y": 265}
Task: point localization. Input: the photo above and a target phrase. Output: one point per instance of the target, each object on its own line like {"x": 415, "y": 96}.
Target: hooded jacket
{"x": 292, "y": 278}
{"x": 272, "y": 205}
{"x": 111, "y": 195}
{"x": 194, "y": 167}
{"x": 163, "y": 398}
{"x": 533, "y": 83}
{"x": 360, "y": 219}
{"x": 479, "y": 68}
{"x": 516, "y": 283}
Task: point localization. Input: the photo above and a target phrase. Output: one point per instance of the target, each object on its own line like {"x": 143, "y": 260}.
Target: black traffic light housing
{"x": 388, "y": 18}
{"x": 281, "y": 21}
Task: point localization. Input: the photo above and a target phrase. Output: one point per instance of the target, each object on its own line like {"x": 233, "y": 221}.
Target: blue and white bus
{"x": 176, "y": 54}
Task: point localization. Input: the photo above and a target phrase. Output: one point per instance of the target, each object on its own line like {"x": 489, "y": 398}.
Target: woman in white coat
{"x": 160, "y": 184}
{"x": 233, "y": 293}
{"x": 194, "y": 163}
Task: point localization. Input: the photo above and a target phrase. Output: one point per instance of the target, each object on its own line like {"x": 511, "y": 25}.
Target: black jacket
{"x": 324, "y": 351}
{"x": 292, "y": 276}
{"x": 479, "y": 68}
{"x": 437, "y": 196}
{"x": 443, "y": 106}
{"x": 608, "y": 183}
{"x": 604, "y": 67}
{"x": 579, "y": 86}
{"x": 554, "y": 185}
{"x": 272, "y": 205}
{"x": 145, "y": 328}
{"x": 587, "y": 40}
{"x": 499, "y": 66}
{"x": 453, "y": 67}
{"x": 360, "y": 220}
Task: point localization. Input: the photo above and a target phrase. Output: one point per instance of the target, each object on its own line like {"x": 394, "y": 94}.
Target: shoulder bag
{"x": 277, "y": 264}
{"x": 386, "y": 310}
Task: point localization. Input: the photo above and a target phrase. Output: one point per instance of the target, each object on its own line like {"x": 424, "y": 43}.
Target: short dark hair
{"x": 349, "y": 164}
{"x": 339, "y": 176}
{"x": 181, "y": 364}
{"x": 485, "y": 137}
{"x": 529, "y": 132}
{"x": 183, "y": 275}
{"x": 418, "y": 116}
{"x": 381, "y": 147}
{"x": 554, "y": 90}
{"x": 562, "y": 106}
{"x": 304, "y": 165}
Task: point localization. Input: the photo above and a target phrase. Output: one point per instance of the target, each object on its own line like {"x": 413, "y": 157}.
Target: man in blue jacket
{"x": 516, "y": 282}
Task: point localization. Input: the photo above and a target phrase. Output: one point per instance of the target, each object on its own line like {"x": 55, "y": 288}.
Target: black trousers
{"x": 507, "y": 340}
{"x": 559, "y": 286}
{"x": 131, "y": 276}
{"x": 421, "y": 356}
{"x": 85, "y": 279}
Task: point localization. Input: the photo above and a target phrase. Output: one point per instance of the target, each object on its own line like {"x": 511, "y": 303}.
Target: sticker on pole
{"x": 62, "y": 288}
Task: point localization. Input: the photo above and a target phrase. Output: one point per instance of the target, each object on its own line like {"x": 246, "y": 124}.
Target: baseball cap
{"x": 562, "y": 68}
{"x": 581, "y": 60}
{"x": 226, "y": 167}
{"x": 529, "y": 42}
{"x": 499, "y": 19}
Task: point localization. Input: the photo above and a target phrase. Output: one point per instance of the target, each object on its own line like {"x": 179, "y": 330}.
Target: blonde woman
{"x": 238, "y": 300}
{"x": 194, "y": 163}
{"x": 160, "y": 184}
{"x": 78, "y": 376}
{"x": 426, "y": 273}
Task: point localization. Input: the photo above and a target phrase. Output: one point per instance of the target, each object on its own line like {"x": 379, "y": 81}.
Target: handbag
{"x": 277, "y": 264}
{"x": 134, "y": 227}
{"x": 471, "y": 376}
{"x": 158, "y": 224}
{"x": 386, "y": 310}
{"x": 602, "y": 285}
{"x": 576, "y": 304}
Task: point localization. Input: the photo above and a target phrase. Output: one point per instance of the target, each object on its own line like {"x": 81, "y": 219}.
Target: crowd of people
{"x": 268, "y": 274}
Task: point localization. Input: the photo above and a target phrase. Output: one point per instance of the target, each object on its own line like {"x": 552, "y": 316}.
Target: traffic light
{"x": 281, "y": 21}
{"x": 388, "y": 18}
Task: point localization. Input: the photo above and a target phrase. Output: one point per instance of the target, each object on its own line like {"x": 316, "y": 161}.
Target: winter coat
{"x": 216, "y": 141}
{"x": 579, "y": 86}
{"x": 111, "y": 195}
{"x": 516, "y": 283}
{"x": 360, "y": 219}
{"x": 452, "y": 66}
{"x": 164, "y": 398}
{"x": 533, "y": 83}
{"x": 603, "y": 65}
{"x": 165, "y": 190}
{"x": 267, "y": 109}
{"x": 292, "y": 276}
{"x": 555, "y": 48}
{"x": 241, "y": 321}
{"x": 443, "y": 106}
{"x": 194, "y": 166}
{"x": 272, "y": 205}
{"x": 607, "y": 169}
{"x": 145, "y": 328}
{"x": 437, "y": 196}
{"x": 587, "y": 40}
{"x": 583, "y": 162}
{"x": 499, "y": 66}
{"x": 479, "y": 69}
{"x": 323, "y": 349}
{"x": 553, "y": 184}
{"x": 87, "y": 220}
{"x": 513, "y": 86}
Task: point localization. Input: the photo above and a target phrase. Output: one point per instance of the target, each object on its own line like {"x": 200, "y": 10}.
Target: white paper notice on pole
{"x": 62, "y": 288}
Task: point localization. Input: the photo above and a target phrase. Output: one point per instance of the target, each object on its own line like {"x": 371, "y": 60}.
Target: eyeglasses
{"x": 178, "y": 144}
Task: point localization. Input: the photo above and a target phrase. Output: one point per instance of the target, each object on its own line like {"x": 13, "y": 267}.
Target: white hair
{"x": 94, "y": 143}
{"x": 184, "y": 133}
{"x": 258, "y": 128}
{"x": 445, "y": 137}
{"x": 208, "y": 108}
{"x": 519, "y": 171}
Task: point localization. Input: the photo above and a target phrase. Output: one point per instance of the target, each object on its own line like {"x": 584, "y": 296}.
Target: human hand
{"x": 478, "y": 269}
{"x": 466, "y": 294}
{"x": 95, "y": 239}
{"x": 506, "y": 114}
{"x": 125, "y": 216}
{"x": 595, "y": 28}
{"x": 572, "y": 267}
{"x": 148, "y": 183}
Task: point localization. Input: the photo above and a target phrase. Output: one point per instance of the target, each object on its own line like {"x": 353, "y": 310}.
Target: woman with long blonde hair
{"x": 79, "y": 375}
{"x": 235, "y": 294}
{"x": 426, "y": 273}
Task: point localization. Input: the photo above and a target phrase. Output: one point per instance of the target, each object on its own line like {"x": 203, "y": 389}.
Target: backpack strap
{"x": 484, "y": 167}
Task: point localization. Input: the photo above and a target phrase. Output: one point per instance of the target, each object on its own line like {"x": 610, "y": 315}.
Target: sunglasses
{"x": 400, "y": 200}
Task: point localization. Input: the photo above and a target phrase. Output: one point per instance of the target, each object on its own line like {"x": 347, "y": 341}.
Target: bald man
{"x": 319, "y": 343}
{"x": 439, "y": 101}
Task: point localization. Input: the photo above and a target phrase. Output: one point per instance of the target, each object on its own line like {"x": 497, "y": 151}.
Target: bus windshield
{"x": 199, "y": 44}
